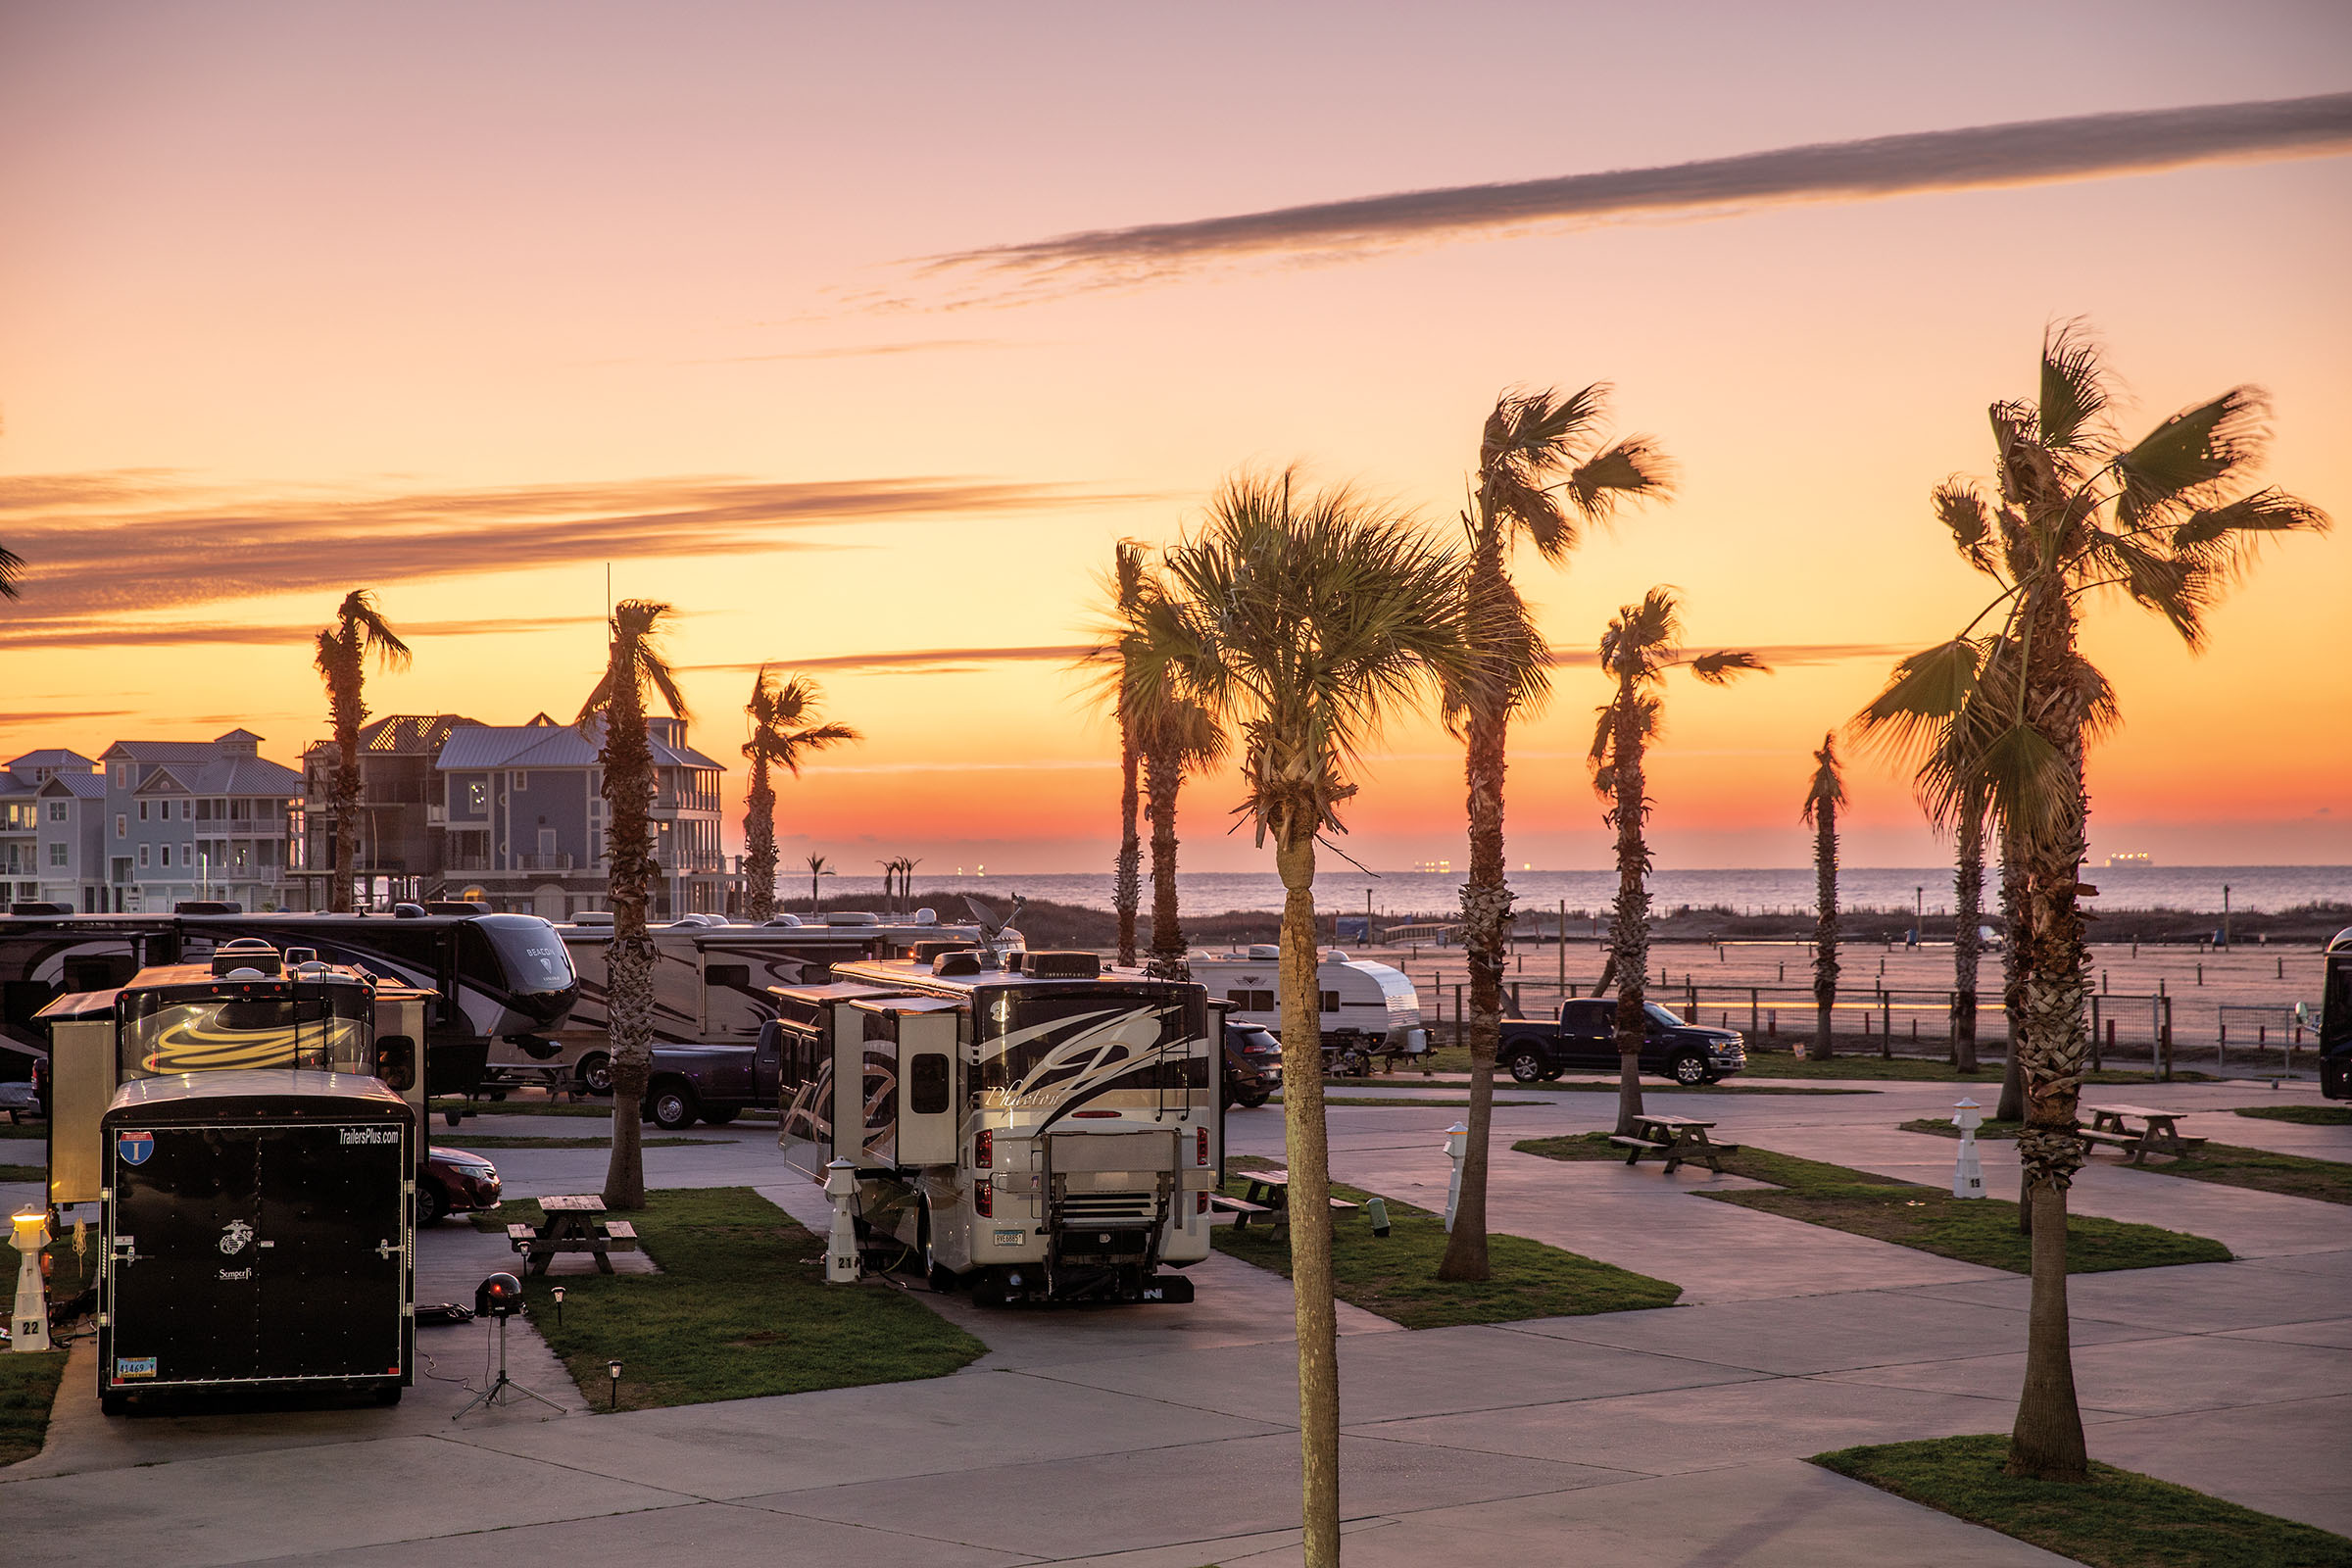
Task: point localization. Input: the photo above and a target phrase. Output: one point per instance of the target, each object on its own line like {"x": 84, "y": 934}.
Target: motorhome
{"x": 1368, "y": 1010}
{"x": 497, "y": 982}
{"x": 251, "y": 1127}
{"x": 711, "y": 981}
{"x": 1024, "y": 1124}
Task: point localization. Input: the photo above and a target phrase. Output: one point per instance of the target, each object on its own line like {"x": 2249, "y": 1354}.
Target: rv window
{"x": 927, "y": 1084}
{"x": 192, "y": 1029}
{"x": 1253, "y": 1001}
{"x": 1031, "y": 1041}
{"x": 738, "y": 975}
{"x": 1331, "y": 1002}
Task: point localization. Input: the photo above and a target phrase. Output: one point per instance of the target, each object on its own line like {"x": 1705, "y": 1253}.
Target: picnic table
{"x": 573, "y": 1225}
{"x": 2159, "y": 1131}
{"x": 1675, "y": 1139}
{"x": 1267, "y": 1192}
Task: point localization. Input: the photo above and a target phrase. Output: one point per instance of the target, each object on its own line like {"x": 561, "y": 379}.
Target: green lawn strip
{"x": 1402, "y": 1100}
{"x": 1397, "y": 1275}
{"x": 28, "y": 1390}
{"x": 2226, "y": 1164}
{"x": 2120, "y": 1519}
{"x": 2304, "y": 1115}
{"x": 740, "y": 1310}
{"x": 23, "y": 1173}
{"x": 1503, "y": 1083}
{"x": 1926, "y": 1219}
{"x": 589, "y": 1141}
{"x": 24, "y": 1130}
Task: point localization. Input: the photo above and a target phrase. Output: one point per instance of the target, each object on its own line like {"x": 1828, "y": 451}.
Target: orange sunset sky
{"x": 463, "y": 302}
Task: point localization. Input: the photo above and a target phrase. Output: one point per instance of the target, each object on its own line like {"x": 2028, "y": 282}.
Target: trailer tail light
{"x": 1200, "y": 1202}
{"x": 984, "y": 1148}
{"x": 984, "y": 1198}
{"x": 1199, "y": 1146}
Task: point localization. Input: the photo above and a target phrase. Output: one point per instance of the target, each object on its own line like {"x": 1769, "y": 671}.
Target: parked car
{"x": 454, "y": 1182}
{"x": 1586, "y": 1036}
{"x": 1252, "y": 1065}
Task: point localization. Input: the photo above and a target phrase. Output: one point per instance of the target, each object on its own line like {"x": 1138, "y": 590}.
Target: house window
{"x": 143, "y": 856}
{"x": 142, "y": 810}
{"x": 477, "y": 798}
{"x": 121, "y": 825}
{"x": 521, "y": 782}
{"x": 167, "y": 855}
{"x": 122, "y": 775}
{"x": 57, "y": 855}
{"x": 187, "y": 809}
{"x": 204, "y": 810}
{"x": 57, "y": 810}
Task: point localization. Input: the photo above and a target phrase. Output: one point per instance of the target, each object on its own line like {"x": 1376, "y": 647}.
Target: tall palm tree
{"x": 1127, "y": 574}
{"x": 359, "y": 629}
{"x": 782, "y": 733}
{"x": 1177, "y": 737}
{"x": 1642, "y": 643}
{"x": 1967, "y": 913}
{"x": 1302, "y": 625}
{"x": 633, "y": 666}
{"x": 1823, "y": 797}
{"x": 2168, "y": 521}
{"x": 817, "y": 866}
{"x": 1542, "y": 476}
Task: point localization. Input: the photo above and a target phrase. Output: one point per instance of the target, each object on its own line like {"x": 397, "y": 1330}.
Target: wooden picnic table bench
{"x": 1675, "y": 1139}
{"x": 1269, "y": 1192}
{"x": 573, "y": 1225}
{"x": 2159, "y": 1131}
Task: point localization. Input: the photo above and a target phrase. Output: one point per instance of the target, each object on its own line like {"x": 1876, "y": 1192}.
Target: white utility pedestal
{"x": 841, "y": 1253}
{"x": 28, "y": 1324}
{"x": 1968, "y": 1175}
{"x": 1457, "y": 1149}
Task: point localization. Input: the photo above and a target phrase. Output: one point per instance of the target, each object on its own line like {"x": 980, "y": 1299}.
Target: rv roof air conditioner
{"x": 1264, "y": 952}
{"x": 246, "y": 953}
{"x": 963, "y": 960}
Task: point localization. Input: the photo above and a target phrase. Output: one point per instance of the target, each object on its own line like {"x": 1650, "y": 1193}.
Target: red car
{"x": 454, "y": 1182}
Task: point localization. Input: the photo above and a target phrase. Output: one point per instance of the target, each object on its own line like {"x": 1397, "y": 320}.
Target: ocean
{"x": 1772, "y": 890}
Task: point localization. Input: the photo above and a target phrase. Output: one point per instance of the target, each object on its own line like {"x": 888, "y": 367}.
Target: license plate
{"x": 1011, "y": 1238}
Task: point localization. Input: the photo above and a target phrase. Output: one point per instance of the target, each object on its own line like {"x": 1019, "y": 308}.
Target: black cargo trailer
{"x": 256, "y": 1235}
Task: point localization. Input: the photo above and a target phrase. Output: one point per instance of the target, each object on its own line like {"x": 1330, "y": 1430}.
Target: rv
{"x": 1039, "y": 1131}
{"x": 250, "y": 1128}
{"x": 711, "y": 982}
{"x": 1368, "y": 1011}
{"x": 496, "y": 980}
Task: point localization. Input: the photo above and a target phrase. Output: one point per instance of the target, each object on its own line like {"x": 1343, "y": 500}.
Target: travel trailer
{"x": 1024, "y": 1124}
{"x": 1369, "y": 1009}
{"x": 711, "y": 982}
{"x": 251, "y": 1127}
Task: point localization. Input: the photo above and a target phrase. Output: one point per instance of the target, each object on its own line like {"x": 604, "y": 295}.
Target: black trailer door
{"x": 332, "y": 1275}
{"x": 186, "y": 1292}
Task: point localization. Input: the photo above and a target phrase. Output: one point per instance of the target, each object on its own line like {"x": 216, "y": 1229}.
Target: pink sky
{"x": 461, "y": 302}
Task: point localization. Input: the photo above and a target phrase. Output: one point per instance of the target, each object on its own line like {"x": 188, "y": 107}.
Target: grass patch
{"x": 1787, "y": 1064}
{"x": 21, "y": 1130}
{"x": 28, "y": 1390}
{"x": 2225, "y": 1164}
{"x": 23, "y": 1173}
{"x": 1401, "y": 1099}
{"x": 740, "y": 1310}
{"x": 1397, "y": 1275}
{"x": 2120, "y": 1519}
{"x": 2302, "y": 1115}
{"x": 1926, "y": 1219}
{"x": 590, "y": 1141}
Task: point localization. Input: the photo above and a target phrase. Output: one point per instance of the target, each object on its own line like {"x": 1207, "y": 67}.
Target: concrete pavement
{"x": 1165, "y": 1436}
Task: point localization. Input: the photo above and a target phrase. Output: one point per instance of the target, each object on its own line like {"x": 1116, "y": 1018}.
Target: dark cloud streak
{"x": 971, "y": 660}
{"x": 2021, "y": 153}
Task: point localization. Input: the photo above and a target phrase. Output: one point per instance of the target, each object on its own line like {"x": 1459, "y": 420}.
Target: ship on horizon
{"x": 2131, "y": 860}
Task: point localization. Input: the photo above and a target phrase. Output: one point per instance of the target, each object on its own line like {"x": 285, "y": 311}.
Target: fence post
{"x": 1886, "y": 1027}
{"x": 1752, "y": 1014}
{"x": 1690, "y": 999}
{"x": 2166, "y": 1002}
{"x": 1460, "y": 1035}
{"x": 2095, "y": 1063}
{"x": 1515, "y": 1001}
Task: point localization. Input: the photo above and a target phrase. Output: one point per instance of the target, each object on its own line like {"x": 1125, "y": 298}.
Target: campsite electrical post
{"x": 841, "y": 1253}
{"x": 1457, "y": 1149}
{"x": 1968, "y": 1175}
{"x": 28, "y": 1324}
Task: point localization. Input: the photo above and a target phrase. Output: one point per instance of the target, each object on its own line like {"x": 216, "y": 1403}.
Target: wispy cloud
{"x": 10, "y": 721}
{"x": 861, "y": 350}
{"x": 2019, "y": 153}
{"x": 142, "y": 540}
{"x": 972, "y": 660}
{"x": 170, "y": 634}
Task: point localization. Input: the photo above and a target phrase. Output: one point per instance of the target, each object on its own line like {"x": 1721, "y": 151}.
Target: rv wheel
{"x": 596, "y": 1073}
{"x": 939, "y": 1277}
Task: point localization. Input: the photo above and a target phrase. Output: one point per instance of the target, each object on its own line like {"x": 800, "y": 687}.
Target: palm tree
{"x": 1823, "y": 797}
{"x": 816, "y": 867}
{"x": 359, "y": 629}
{"x": 1302, "y": 626}
{"x": 782, "y": 735}
{"x": 1127, "y": 891}
{"x": 1641, "y": 644}
{"x": 12, "y": 569}
{"x": 1542, "y": 476}
{"x": 1968, "y": 913}
{"x": 633, "y": 664}
{"x": 2168, "y": 521}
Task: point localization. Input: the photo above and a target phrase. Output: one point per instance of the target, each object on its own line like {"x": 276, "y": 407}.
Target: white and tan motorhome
{"x": 1027, "y": 1125}
{"x": 1368, "y": 1011}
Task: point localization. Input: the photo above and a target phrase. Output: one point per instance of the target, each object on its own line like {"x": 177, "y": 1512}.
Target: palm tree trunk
{"x": 2047, "y": 1442}
{"x": 1486, "y": 915}
{"x": 1628, "y": 921}
{"x": 1309, "y": 1155}
{"x": 1825, "y": 929}
{"x": 1969, "y": 910}
{"x": 348, "y": 706}
{"x": 760, "y": 845}
{"x": 629, "y": 1003}
{"x": 1163, "y": 776}
{"x": 2012, "y": 1106}
{"x": 1126, "y": 889}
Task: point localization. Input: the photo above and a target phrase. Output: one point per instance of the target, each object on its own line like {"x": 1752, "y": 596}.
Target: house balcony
{"x": 543, "y": 862}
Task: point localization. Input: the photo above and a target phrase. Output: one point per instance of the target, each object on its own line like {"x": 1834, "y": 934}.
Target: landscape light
{"x": 613, "y": 1369}
{"x": 558, "y": 1306}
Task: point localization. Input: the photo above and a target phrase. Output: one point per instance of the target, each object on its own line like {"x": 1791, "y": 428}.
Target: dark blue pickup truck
{"x": 712, "y": 1083}
{"x": 1586, "y": 1036}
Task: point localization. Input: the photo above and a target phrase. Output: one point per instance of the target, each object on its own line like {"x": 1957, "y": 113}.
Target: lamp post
{"x": 28, "y": 1324}
{"x": 612, "y": 1371}
{"x": 558, "y": 1293}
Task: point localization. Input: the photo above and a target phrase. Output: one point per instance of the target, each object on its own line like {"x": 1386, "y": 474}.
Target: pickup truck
{"x": 1586, "y": 1036}
{"x": 713, "y": 1083}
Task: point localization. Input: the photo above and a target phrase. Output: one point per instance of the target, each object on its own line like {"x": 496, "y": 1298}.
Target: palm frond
{"x": 1960, "y": 509}
{"x": 12, "y": 572}
{"x": 2026, "y": 783}
{"x": 1635, "y": 468}
{"x": 2181, "y": 462}
{"x": 1925, "y": 693}
{"x": 1828, "y": 785}
{"x": 1720, "y": 668}
{"x": 2074, "y": 389}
